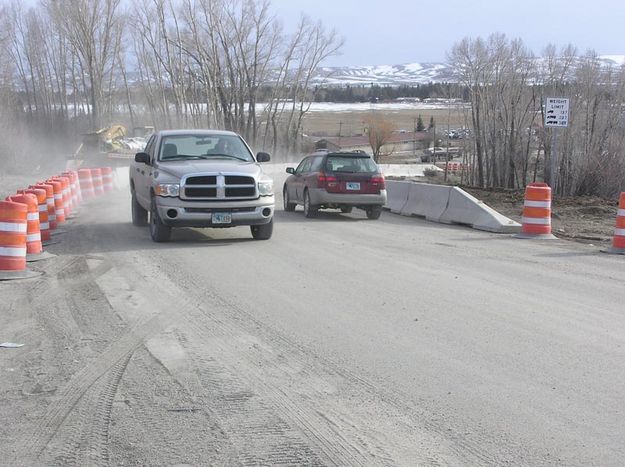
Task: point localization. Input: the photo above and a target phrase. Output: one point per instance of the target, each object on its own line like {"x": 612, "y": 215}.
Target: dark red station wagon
{"x": 335, "y": 180}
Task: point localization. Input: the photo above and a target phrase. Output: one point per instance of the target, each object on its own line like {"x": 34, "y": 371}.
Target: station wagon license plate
{"x": 221, "y": 218}
{"x": 352, "y": 186}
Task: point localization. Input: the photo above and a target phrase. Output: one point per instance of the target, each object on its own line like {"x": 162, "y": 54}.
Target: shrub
{"x": 430, "y": 172}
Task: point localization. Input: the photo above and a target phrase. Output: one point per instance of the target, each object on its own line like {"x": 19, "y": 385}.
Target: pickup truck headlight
{"x": 167, "y": 189}
{"x": 265, "y": 187}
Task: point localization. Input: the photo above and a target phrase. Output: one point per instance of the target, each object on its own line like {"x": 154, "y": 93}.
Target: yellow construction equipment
{"x": 110, "y": 146}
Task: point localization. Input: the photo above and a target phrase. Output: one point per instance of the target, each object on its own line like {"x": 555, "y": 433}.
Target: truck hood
{"x": 180, "y": 168}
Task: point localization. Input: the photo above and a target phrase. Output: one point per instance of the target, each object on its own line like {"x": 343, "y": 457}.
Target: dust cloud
{"x": 27, "y": 156}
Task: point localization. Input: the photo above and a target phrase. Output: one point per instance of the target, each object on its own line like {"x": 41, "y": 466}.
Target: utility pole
{"x": 448, "y": 117}
{"x": 340, "y": 129}
{"x": 414, "y": 137}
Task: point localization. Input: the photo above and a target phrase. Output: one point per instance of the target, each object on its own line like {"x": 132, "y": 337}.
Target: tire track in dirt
{"x": 67, "y": 399}
{"x": 84, "y": 436}
{"x": 102, "y": 363}
{"x": 158, "y": 422}
{"x": 343, "y": 425}
{"x": 261, "y": 388}
{"x": 255, "y": 429}
{"x": 340, "y": 426}
{"x": 274, "y": 429}
{"x": 334, "y": 431}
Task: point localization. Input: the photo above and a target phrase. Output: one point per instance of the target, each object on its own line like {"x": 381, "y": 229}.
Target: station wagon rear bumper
{"x": 319, "y": 196}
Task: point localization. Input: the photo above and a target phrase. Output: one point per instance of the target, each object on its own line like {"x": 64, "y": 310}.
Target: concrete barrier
{"x": 406, "y": 170}
{"x": 397, "y": 196}
{"x": 466, "y": 209}
{"x": 425, "y": 200}
{"x": 447, "y": 205}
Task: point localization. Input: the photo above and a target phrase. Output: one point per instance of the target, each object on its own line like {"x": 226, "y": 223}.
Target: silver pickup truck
{"x": 200, "y": 178}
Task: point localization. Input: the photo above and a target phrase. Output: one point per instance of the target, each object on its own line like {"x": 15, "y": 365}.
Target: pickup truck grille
{"x": 218, "y": 187}
{"x": 192, "y": 192}
{"x": 202, "y": 180}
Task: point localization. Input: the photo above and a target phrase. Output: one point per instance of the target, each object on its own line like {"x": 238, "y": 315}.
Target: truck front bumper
{"x": 179, "y": 213}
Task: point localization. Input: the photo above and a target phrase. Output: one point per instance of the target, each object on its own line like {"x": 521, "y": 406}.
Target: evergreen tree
{"x": 420, "y": 125}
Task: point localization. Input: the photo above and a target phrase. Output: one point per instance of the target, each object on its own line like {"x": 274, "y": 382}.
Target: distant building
{"x": 398, "y": 142}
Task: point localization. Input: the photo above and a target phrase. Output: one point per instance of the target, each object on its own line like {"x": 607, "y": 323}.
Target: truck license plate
{"x": 221, "y": 218}
{"x": 352, "y": 186}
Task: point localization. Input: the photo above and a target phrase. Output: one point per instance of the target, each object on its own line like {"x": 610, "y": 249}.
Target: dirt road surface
{"x": 340, "y": 341}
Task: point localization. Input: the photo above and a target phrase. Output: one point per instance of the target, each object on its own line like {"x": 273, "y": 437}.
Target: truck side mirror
{"x": 142, "y": 158}
{"x": 263, "y": 157}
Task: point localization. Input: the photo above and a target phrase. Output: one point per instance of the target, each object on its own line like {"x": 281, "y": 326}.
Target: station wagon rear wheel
{"x": 310, "y": 210}
{"x": 374, "y": 212}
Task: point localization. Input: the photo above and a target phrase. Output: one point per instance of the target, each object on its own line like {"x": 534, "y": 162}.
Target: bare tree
{"x": 507, "y": 87}
{"x": 290, "y": 99}
{"x": 91, "y": 29}
{"x": 379, "y": 132}
{"x": 167, "y": 62}
{"x": 469, "y": 58}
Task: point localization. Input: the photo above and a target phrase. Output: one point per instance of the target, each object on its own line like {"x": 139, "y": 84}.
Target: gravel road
{"x": 340, "y": 341}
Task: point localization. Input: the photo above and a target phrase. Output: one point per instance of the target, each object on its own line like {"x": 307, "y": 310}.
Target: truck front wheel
{"x": 158, "y": 231}
{"x": 262, "y": 232}
{"x": 139, "y": 215}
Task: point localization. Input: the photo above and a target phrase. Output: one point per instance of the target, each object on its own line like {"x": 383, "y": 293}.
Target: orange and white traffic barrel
{"x": 59, "y": 208}
{"x": 50, "y": 203}
{"x": 107, "y": 178}
{"x": 68, "y": 203}
{"x": 77, "y": 182}
{"x": 96, "y": 175}
{"x": 42, "y": 206}
{"x": 536, "y": 220}
{"x": 86, "y": 183}
{"x": 66, "y": 195}
{"x": 33, "y": 231}
{"x": 75, "y": 187}
{"x": 618, "y": 242}
{"x": 13, "y": 227}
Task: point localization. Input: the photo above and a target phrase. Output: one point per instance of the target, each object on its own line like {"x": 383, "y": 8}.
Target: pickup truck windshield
{"x": 177, "y": 147}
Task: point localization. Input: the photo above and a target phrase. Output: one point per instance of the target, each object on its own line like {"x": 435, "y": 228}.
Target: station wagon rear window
{"x": 350, "y": 164}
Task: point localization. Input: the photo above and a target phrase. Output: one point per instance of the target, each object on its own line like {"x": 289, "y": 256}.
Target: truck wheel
{"x": 262, "y": 232}
{"x": 288, "y": 206}
{"x": 374, "y": 212}
{"x": 309, "y": 209}
{"x": 158, "y": 231}
{"x": 346, "y": 209}
{"x": 139, "y": 215}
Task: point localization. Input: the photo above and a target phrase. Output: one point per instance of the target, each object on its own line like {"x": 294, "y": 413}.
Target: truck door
{"x": 143, "y": 174}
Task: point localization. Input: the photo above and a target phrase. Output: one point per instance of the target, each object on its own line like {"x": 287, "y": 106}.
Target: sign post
{"x": 556, "y": 115}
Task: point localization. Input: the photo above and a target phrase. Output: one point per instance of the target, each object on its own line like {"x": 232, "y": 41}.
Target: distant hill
{"x": 407, "y": 74}
{"x": 384, "y": 75}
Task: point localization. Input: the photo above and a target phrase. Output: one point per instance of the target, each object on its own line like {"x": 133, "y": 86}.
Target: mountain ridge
{"x": 408, "y": 74}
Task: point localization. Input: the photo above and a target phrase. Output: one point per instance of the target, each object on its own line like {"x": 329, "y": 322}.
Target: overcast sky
{"x": 393, "y": 32}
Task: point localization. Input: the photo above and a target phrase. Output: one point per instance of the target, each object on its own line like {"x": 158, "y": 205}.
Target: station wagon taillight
{"x": 326, "y": 181}
{"x": 377, "y": 181}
